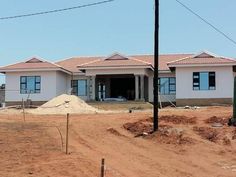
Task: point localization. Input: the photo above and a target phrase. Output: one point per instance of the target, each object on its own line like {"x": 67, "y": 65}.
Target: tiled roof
{"x": 202, "y": 59}
{"x": 163, "y": 59}
{"x": 117, "y": 60}
{"x": 33, "y": 63}
{"x": 73, "y": 64}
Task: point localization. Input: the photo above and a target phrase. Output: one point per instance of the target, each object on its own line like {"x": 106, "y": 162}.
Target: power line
{"x": 207, "y": 22}
{"x": 56, "y": 10}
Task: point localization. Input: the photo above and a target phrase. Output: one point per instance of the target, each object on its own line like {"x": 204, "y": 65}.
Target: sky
{"x": 125, "y": 26}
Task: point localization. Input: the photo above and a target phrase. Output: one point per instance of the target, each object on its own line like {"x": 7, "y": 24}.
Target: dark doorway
{"x": 124, "y": 87}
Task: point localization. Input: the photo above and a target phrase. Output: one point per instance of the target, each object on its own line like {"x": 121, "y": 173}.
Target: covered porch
{"x": 128, "y": 86}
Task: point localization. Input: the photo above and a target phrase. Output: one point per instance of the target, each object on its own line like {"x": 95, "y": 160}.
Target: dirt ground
{"x": 186, "y": 145}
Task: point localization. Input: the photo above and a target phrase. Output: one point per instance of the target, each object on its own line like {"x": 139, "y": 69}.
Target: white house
{"x": 186, "y": 79}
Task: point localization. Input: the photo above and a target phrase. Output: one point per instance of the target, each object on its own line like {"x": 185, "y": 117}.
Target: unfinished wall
{"x": 224, "y": 83}
{"x": 48, "y": 86}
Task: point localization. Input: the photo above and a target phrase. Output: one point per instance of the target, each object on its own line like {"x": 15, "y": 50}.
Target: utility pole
{"x": 156, "y": 67}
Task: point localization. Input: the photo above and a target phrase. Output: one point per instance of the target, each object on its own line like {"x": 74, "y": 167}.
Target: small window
{"x": 30, "y": 84}
{"x": 204, "y": 81}
{"x": 74, "y": 86}
{"x": 167, "y": 85}
{"x": 79, "y": 87}
{"x": 82, "y": 87}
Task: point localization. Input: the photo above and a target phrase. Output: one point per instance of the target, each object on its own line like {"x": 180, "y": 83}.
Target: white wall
{"x": 224, "y": 83}
{"x": 135, "y": 71}
{"x": 61, "y": 83}
{"x": 48, "y": 86}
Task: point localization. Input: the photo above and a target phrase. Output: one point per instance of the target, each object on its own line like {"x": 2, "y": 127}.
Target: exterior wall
{"x": 204, "y": 101}
{"x": 163, "y": 98}
{"x": 224, "y": 83}
{"x": 61, "y": 83}
{"x": 134, "y": 71}
{"x": 48, "y": 86}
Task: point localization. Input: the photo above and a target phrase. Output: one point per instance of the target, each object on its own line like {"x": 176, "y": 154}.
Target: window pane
{"x": 23, "y": 79}
{"x": 38, "y": 79}
{"x": 82, "y": 87}
{"x": 37, "y": 86}
{"x": 23, "y": 86}
{"x": 172, "y": 87}
{"x": 31, "y": 84}
{"x": 172, "y": 80}
{"x": 212, "y": 82}
{"x": 204, "y": 81}
{"x": 164, "y": 86}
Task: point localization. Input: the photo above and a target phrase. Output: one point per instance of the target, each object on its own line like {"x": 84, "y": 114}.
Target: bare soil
{"x": 186, "y": 147}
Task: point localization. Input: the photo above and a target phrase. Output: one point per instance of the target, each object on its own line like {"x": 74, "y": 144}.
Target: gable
{"x": 204, "y": 55}
{"x": 116, "y": 57}
{"x": 34, "y": 60}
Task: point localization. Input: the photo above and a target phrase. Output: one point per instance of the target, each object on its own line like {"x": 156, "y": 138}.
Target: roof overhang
{"x": 200, "y": 65}
{"x": 117, "y": 67}
{"x": 34, "y": 69}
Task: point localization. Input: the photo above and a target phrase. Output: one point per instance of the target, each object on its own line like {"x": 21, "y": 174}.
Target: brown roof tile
{"x": 72, "y": 64}
{"x": 202, "y": 59}
{"x": 33, "y": 63}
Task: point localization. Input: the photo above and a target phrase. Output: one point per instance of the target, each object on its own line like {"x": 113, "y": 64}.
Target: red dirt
{"x": 176, "y": 119}
{"x": 138, "y": 128}
{"x": 207, "y": 133}
{"x": 114, "y": 132}
{"x": 215, "y": 119}
{"x": 34, "y": 148}
{"x": 234, "y": 134}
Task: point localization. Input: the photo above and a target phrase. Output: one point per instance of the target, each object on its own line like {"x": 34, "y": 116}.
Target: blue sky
{"x": 125, "y": 26}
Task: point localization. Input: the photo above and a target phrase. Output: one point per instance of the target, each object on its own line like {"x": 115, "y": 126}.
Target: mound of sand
{"x": 64, "y": 104}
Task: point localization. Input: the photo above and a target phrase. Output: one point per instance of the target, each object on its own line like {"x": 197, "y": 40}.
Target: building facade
{"x": 184, "y": 79}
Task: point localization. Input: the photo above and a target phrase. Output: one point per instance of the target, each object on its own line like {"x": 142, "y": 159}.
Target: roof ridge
{"x": 181, "y": 59}
{"x": 94, "y": 61}
{"x": 140, "y": 60}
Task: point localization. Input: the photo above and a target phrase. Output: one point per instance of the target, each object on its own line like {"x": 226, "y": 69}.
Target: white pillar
{"x": 142, "y": 87}
{"x": 93, "y": 95}
{"x": 136, "y": 87}
{"x": 88, "y": 88}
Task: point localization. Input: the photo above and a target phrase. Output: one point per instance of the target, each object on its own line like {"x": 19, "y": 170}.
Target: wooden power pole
{"x": 156, "y": 68}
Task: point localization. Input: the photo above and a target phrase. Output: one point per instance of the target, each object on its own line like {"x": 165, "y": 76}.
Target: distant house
{"x": 187, "y": 79}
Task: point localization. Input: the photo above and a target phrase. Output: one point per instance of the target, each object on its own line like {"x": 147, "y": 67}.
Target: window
{"x": 79, "y": 87}
{"x": 30, "y": 84}
{"x": 167, "y": 85}
{"x": 204, "y": 81}
{"x": 82, "y": 87}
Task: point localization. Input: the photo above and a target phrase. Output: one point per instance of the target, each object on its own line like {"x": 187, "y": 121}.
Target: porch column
{"x": 93, "y": 87}
{"x": 142, "y": 87}
{"x": 136, "y": 87}
{"x": 88, "y": 88}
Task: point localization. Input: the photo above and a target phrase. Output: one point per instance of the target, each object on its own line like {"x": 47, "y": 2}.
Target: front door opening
{"x": 123, "y": 87}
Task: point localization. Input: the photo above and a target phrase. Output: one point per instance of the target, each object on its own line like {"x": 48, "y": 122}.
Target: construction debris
{"x": 64, "y": 104}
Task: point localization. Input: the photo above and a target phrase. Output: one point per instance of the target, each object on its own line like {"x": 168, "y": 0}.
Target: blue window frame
{"x": 167, "y": 85}
{"x": 204, "y": 81}
{"x": 30, "y": 84}
{"x": 79, "y": 87}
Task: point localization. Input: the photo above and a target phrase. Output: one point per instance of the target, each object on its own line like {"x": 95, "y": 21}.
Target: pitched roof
{"x": 73, "y": 64}
{"x": 163, "y": 59}
{"x": 116, "y": 60}
{"x": 31, "y": 64}
{"x": 203, "y": 58}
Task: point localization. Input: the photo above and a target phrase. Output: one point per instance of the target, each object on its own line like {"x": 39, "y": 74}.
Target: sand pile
{"x": 64, "y": 104}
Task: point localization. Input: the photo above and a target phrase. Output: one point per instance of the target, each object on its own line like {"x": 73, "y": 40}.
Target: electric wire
{"x": 207, "y": 22}
{"x": 56, "y": 10}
